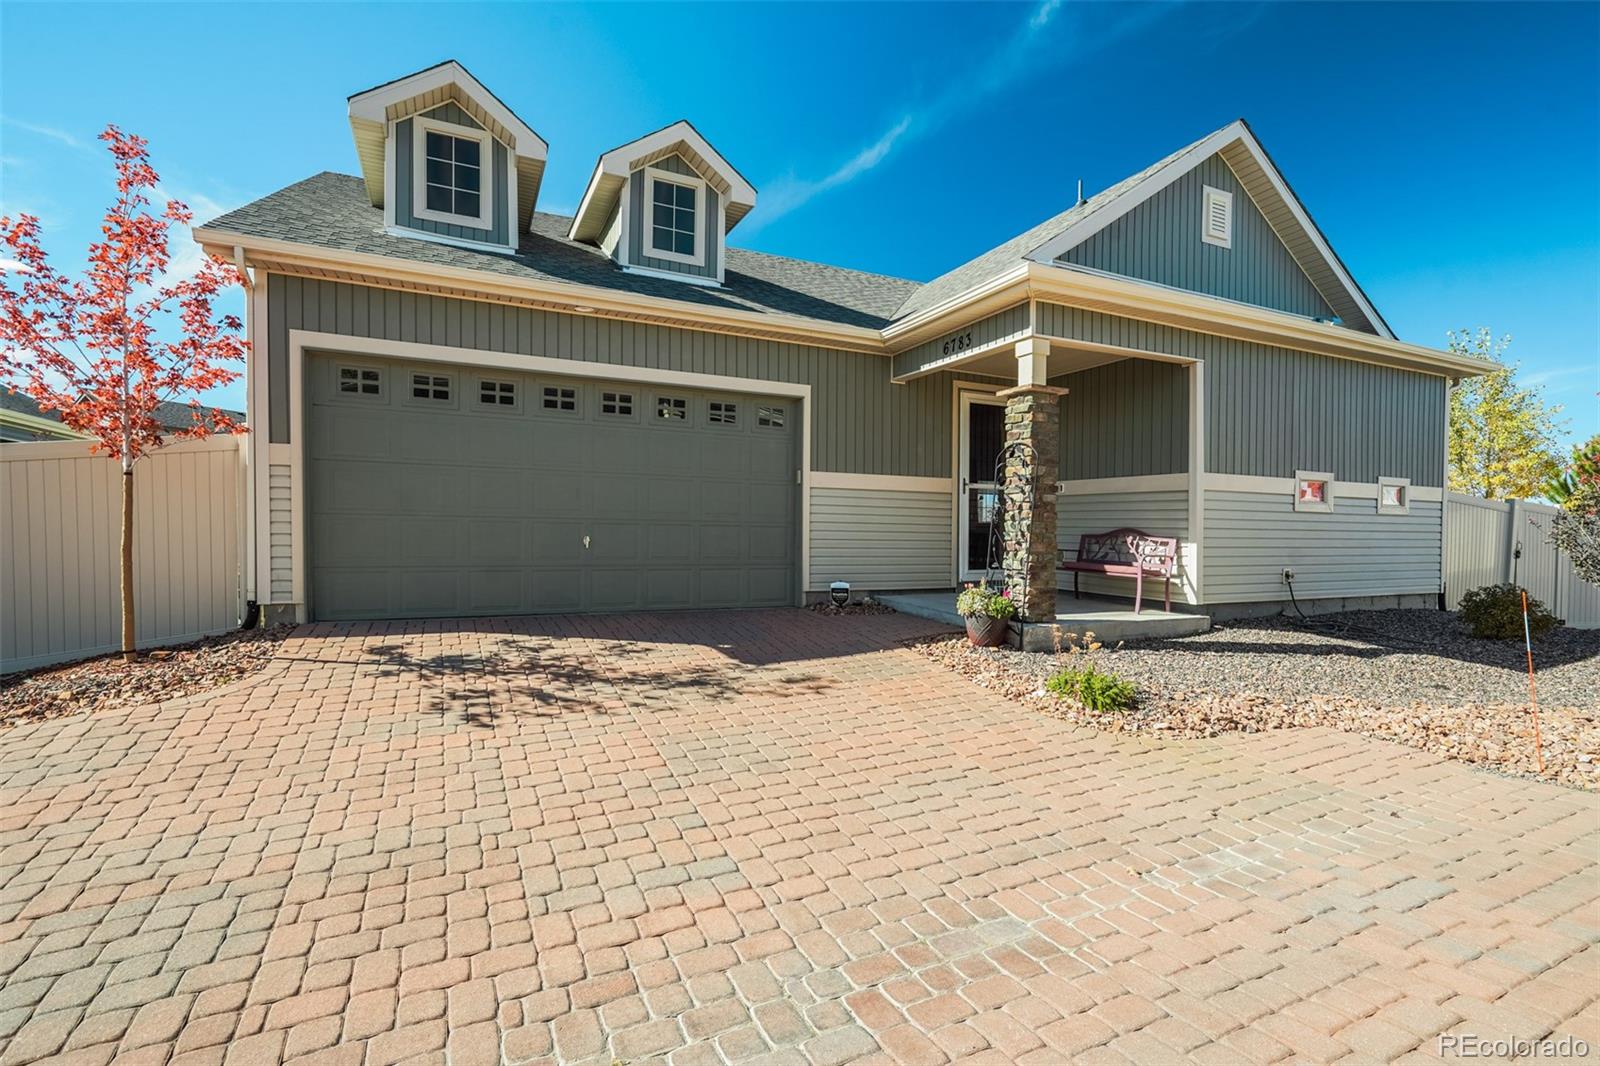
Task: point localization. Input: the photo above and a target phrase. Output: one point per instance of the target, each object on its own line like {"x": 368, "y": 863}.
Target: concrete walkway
{"x": 1109, "y": 620}
{"x": 762, "y": 836}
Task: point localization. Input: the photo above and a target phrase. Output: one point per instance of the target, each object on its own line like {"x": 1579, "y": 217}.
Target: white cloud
{"x": 186, "y": 257}
{"x": 58, "y": 135}
{"x": 1043, "y": 39}
{"x": 12, "y": 266}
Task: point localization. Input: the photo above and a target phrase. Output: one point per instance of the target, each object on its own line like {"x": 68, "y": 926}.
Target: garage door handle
{"x": 586, "y": 542}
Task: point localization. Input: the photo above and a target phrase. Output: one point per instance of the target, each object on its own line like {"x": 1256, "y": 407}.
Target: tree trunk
{"x": 128, "y": 653}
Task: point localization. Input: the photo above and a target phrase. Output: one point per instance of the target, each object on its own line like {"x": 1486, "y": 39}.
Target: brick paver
{"x": 753, "y": 835}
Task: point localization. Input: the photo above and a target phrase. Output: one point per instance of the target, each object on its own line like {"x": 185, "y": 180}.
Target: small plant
{"x": 1495, "y": 612}
{"x": 1102, "y": 692}
{"x": 980, "y": 601}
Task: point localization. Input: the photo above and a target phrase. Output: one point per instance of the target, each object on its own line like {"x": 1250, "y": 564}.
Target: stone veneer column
{"x": 1033, "y": 431}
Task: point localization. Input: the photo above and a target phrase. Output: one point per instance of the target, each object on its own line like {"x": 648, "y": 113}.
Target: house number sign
{"x": 959, "y": 343}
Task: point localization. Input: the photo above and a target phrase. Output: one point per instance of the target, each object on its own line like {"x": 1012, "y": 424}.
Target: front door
{"x": 982, "y": 435}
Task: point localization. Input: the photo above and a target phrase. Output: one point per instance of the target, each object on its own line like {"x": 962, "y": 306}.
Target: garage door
{"x": 436, "y": 491}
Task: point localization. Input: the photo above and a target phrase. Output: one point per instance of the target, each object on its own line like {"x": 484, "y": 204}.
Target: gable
{"x": 1160, "y": 241}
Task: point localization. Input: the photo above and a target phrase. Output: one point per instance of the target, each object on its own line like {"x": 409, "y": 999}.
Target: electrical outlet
{"x": 1288, "y": 576}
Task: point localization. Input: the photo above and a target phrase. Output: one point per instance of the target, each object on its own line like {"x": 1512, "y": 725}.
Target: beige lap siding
{"x": 1250, "y": 537}
{"x": 280, "y": 518}
{"x": 1161, "y": 513}
{"x": 880, "y": 539}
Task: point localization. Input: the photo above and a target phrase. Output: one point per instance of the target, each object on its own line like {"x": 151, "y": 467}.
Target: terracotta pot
{"x": 986, "y": 632}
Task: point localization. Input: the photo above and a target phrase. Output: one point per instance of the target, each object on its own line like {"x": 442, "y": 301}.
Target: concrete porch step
{"x": 1108, "y": 620}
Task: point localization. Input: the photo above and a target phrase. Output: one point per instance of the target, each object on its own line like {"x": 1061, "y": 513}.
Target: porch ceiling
{"x": 1065, "y": 358}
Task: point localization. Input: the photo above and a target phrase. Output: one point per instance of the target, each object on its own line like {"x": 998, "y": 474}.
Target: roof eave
{"x": 562, "y": 296}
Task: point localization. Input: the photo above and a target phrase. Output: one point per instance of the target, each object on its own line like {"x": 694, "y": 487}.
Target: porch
{"x": 1108, "y": 619}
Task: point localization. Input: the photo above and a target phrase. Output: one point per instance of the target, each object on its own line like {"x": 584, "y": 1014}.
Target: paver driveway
{"x": 744, "y": 834}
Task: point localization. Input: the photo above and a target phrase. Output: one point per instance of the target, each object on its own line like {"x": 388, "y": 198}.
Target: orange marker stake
{"x": 1533, "y": 698}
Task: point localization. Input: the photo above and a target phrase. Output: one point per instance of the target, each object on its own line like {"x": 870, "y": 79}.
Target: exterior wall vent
{"x": 1216, "y": 221}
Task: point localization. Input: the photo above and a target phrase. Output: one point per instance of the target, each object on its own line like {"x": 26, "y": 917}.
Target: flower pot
{"x": 986, "y": 632}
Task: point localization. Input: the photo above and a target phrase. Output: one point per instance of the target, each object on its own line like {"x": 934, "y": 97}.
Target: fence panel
{"x": 60, "y": 530}
{"x": 1488, "y": 542}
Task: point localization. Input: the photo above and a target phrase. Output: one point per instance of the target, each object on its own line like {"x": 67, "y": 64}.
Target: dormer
{"x": 663, "y": 205}
{"x": 446, "y": 160}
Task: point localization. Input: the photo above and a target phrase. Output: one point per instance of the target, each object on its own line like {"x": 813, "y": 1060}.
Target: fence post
{"x": 1511, "y": 545}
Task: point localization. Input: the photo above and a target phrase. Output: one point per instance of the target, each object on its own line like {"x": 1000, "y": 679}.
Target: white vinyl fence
{"x": 1492, "y": 542}
{"x": 60, "y": 544}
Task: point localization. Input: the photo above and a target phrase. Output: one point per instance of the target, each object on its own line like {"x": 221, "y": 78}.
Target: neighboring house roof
{"x": 371, "y": 111}
{"x": 680, "y": 139}
{"x": 332, "y": 211}
{"x": 171, "y": 414}
{"x": 22, "y": 419}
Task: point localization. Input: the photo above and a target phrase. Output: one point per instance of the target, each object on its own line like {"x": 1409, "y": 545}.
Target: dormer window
{"x": 675, "y": 215}
{"x": 452, "y": 163}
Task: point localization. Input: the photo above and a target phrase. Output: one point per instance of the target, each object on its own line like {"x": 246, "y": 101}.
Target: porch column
{"x": 1033, "y": 431}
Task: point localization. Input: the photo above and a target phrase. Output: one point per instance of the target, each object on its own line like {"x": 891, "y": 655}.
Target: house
{"x": 22, "y": 419}
{"x": 467, "y": 406}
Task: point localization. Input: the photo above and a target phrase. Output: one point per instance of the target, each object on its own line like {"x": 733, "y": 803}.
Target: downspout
{"x": 247, "y": 560}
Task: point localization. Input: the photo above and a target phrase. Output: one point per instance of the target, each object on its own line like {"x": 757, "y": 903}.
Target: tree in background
{"x": 1502, "y": 439}
{"x": 1576, "y": 530}
{"x": 89, "y": 349}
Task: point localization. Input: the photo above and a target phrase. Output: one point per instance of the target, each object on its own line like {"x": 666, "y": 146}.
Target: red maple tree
{"x": 90, "y": 348}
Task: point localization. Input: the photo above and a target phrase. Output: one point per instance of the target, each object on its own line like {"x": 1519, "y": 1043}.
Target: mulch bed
{"x": 160, "y": 674}
{"x": 1414, "y": 677}
{"x": 866, "y": 606}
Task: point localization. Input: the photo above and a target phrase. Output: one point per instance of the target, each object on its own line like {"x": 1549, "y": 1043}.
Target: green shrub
{"x": 1495, "y": 612}
{"x": 1101, "y": 692}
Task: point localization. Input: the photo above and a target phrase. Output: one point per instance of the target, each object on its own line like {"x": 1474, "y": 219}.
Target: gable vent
{"x": 1216, "y": 223}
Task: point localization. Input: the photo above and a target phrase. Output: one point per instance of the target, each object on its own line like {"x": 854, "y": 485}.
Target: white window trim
{"x": 647, "y": 224}
{"x": 420, "y": 125}
{"x": 1404, "y": 506}
{"x": 1214, "y": 194}
{"x": 1326, "y": 506}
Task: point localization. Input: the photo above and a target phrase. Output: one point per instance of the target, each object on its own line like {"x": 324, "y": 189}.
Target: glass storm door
{"x": 982, "y": 434}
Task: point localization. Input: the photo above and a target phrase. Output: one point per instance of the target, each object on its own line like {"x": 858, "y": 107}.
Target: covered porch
{"x": 1057, "y": 441}
{"x": 1111, "y": 621}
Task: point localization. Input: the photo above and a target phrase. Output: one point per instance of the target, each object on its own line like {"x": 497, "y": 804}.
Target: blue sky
{"x": 1451, "y": 153}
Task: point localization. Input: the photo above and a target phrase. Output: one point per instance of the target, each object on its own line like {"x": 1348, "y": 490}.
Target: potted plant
{"x": 987, "y": 612}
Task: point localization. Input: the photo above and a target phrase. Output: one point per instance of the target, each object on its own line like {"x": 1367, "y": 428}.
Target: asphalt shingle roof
{"x": 171, "y": 414}
{"x": 332, "y": 211}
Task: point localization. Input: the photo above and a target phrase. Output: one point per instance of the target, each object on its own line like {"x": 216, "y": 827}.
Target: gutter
{"x": 248, "y": 557}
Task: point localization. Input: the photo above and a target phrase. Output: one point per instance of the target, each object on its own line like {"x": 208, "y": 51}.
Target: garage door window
{"x": 617, "y": 403}
{"x": 430, "y": 387}
{"x": 771, "y": 417}
{"x": 497, "y": 393}
{"x": 722, "y": 413}
{"x": 672, "y": 408}
{"x": 560, "y": 398}
{"x": 361, "y": 380}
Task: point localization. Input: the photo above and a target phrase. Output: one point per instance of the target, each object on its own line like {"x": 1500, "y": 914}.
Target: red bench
{"x": 1123, "y": 553}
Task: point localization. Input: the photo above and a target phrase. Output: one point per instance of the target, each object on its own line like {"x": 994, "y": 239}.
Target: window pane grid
{"x": 770, "y": 417}
{"x": 363, "y": 381}
{"x": 453, "y": 174}
{"x": 500, "y": 393}
{"x": 559, "y": 398}
{"x": 721, "y": 413}
{"x": 616, "y": 403}
{"x": 672, "y": 217}
{"x": 430, "y": 387}
{"x": 672, "y": 408}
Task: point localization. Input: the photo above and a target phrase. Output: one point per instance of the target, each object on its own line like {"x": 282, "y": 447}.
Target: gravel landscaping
{"x": 161, "y": 674}
{"x": 1415, "y": 677}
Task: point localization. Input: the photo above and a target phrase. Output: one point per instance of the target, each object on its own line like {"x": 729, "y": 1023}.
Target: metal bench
{"x": 1123, "y": 553}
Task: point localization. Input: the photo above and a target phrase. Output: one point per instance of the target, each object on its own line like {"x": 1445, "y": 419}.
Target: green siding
{"x": 637, "y": 210}
{"x": 1160, "y": 241}
{"x": 861, "y": 421}
{"x": 1011, "y": 324}
{"x": 878, "y": 540}
{"x": 1272, "y": 411}
{"x": 1354, "y": 551}
{"x": 404, "y": 177}
{"x": 1125, "y": 419}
